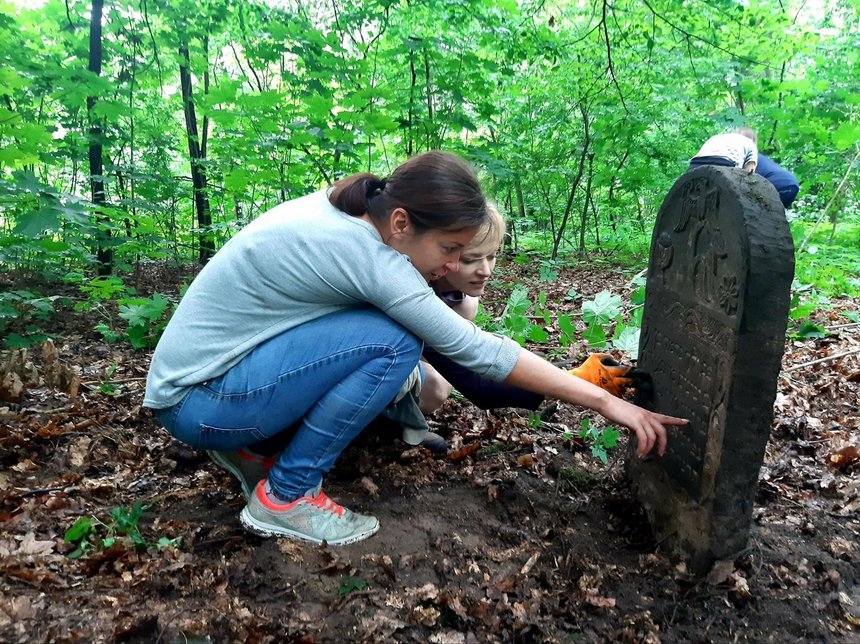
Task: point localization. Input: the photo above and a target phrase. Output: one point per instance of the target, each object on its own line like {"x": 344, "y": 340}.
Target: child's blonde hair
{"x": 747, "y": 132}
{"x": 491, "y": 232}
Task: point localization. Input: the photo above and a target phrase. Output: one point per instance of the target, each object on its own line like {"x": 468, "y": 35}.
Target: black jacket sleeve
{"x": 481, "y": 391}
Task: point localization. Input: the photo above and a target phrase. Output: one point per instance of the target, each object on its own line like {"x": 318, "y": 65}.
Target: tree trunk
{"x": 410, "y": 147}
{"x": 583, "y": 220}
{"x": 586, "y": 144}
{"x": 104, "y": 253}
{"x": 429, "y": 145}
{"x": 197, "y": 156}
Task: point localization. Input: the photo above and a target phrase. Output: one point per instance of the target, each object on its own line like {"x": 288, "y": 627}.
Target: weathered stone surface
{"x": 713, "y": 332}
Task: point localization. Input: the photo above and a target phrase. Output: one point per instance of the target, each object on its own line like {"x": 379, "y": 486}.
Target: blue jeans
{"x": 329, "y": 377}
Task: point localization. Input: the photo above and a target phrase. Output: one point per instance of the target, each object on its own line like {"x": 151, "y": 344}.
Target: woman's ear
{"x": 399, "y": 221}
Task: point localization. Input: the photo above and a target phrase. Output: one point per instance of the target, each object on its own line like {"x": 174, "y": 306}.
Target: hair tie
{"x": 375, "y": 186}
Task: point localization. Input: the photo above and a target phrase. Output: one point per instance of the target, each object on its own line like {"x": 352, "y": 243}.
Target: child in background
{"x": 735, "y": 149}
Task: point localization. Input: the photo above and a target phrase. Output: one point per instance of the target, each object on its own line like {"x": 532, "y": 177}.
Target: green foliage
{"x": 120, "y": 527}
{"x": 852, "y": 316}
{"x": 600, "y": 313}
{"x": 101, "y": 288}
{"x": 604, "y": 308}
{"x": 549, "y": 270}
{"x": 626, "y": 339}
{"x": 27, "y": 313}
{"x": 296, "y": 97}
{"x": 515, "y": 322}
{"x": 351, "y": 584}
{"x": 107, "y": 387}
{"x": 595, "y": 336}
{"x": 809, "y": 330}
{"x": 146, "y": 319}
{"x": 567, "y": 330}
{"x": 599, "y": 440}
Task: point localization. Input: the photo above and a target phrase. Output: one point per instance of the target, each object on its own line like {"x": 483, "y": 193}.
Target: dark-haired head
{"x": 438, "y": 190}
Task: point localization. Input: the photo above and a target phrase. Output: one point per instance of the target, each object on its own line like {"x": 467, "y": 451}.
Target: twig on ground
{"x": 841, "y": 326}
{"x": 90, "y": 383}
{"x": 835, "y": 356}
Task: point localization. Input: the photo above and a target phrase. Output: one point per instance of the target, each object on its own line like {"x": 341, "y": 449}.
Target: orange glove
{"x": 602, "y": 370}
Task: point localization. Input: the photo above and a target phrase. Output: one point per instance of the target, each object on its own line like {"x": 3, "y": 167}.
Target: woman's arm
{"x": 750, "y": 156}
{"x": 538, "y": 375}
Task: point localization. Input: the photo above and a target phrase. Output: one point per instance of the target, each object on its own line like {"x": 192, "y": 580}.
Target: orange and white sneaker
{"x": 313, "y": 517}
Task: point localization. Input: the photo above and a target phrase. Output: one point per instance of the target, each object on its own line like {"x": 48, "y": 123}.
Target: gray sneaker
{"x": 435, "y": 443}
{"x": 247, "y": 468}
{"x": 313, "y": 517}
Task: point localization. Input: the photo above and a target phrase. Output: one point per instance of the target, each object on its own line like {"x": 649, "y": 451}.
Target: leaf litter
{"x": 520, "y": 534}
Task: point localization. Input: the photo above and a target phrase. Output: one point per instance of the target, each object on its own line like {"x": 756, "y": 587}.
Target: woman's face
{"x": 476, "y": 265}
{"x": 434, "y": 253}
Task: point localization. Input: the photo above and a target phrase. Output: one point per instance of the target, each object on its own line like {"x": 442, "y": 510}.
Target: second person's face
{"x": 476, "y": 266}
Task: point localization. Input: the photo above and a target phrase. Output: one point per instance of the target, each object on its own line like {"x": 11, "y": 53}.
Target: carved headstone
{"x": 713, "y": 334}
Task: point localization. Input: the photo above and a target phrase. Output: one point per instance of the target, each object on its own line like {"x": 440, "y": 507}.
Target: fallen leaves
{"x": 35, "y": 576}
{"x": 485, "y": 545}
{"x": 464, "y": 452}
{"x": 32, "y": 546}
{"x": 369, "y": 486}
{"x": 844, "y": 458}
{"x": 589, "y": 591}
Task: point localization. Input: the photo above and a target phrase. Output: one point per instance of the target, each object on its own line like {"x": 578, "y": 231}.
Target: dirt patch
{"x": 529, "y": 539}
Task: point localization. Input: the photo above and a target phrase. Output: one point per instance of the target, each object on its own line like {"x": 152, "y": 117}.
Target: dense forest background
{"x": 137, "y": 136}
{"x": 133, "y": 132}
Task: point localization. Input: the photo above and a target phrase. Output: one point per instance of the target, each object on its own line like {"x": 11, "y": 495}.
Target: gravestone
{"x": 713, "y": 333}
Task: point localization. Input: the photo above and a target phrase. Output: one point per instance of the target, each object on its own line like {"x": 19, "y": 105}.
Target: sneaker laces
{"x": 322, "y": 501}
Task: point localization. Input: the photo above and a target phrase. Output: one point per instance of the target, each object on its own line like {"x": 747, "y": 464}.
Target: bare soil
{"x": 518, "y": 535}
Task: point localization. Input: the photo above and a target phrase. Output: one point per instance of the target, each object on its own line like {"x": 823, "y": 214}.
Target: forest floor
{"x": 518, "y": 535}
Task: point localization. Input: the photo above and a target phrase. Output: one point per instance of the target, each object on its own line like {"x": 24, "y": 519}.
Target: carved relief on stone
{"x": 692, "y": 203}
{"x": 665, "y": 253}
{"x": 729, "y": 294}
{"x": 709, "y": 252}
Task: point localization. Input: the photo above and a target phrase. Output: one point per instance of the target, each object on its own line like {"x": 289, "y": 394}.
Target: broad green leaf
{"x": 595, "y": 335}
{"x": 110, "y": 110}
{"x": 609, "y": 437}
{"x": 599, "y": 452}
{"x": 810, "y": 330}
{"x": 628, "y": 342}
{"x": 567, "y": 328}
{"x": 237, "y": 179}
{"x": 602, "y": 309}
{"x": 846, "y": 135}
{"x": 80, "y": 530}
{"x": 802, "y": 310}
{"x": 37, "y": 222}
{"x": 351, "y": 584}
{"x": 537, "y": 334}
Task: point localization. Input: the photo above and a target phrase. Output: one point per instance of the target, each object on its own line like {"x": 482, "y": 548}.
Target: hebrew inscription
{"x": 713, "y": 329}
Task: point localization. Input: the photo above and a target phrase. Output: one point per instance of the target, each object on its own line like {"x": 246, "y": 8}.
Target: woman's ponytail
{"x": 439, "y": 190}
{"x": 352, "y": 194}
